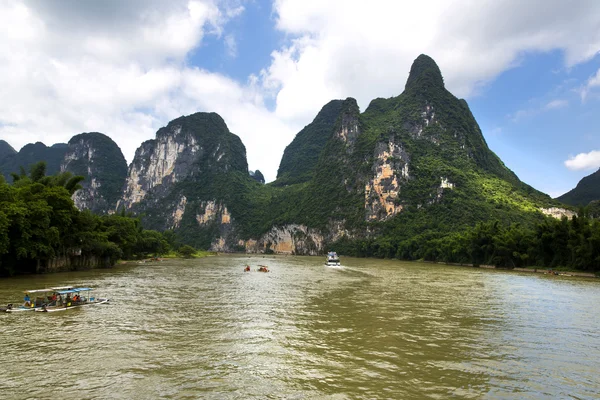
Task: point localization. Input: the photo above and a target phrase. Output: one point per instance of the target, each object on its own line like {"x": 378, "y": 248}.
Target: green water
{"x": 372, "y": 329}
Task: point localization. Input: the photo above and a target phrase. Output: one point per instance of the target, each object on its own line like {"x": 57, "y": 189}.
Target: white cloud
{"x": 230, "y": 46}
{"x": 122, "y": 68}
{"x": 365, "y": 49}
{"x": 538, "y": 109}
{"x": 555, "y": 104}
{"x": 593, "y": 82}
{"x": 581, "y": 161}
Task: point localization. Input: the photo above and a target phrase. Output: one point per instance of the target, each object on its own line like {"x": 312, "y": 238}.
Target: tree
{"x": 186, "y": 251}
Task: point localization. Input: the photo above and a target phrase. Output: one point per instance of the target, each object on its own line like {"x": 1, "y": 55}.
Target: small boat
{"x": 332, "y": 259}
{"x": 71, "y": 297}
{"x": 263, "y": 268}
{"x": 34, "y": 299}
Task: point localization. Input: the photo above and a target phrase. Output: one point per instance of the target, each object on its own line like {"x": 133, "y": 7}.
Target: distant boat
{"x": 332, "y": 259}
{"x": 68, "y": 297}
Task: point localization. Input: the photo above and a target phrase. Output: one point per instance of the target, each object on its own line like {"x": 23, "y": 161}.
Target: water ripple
{"x": 371, "y": 329}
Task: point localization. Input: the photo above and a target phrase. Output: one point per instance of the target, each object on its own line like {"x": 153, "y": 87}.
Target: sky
{"x": 530, "y": 70}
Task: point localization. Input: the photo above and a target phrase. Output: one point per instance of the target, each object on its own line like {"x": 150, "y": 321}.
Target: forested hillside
{"x": 587, "y": 190}
{"x": 31, "y": 154}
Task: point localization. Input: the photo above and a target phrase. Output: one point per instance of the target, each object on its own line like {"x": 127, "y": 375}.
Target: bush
{"x": 186, "y": 251}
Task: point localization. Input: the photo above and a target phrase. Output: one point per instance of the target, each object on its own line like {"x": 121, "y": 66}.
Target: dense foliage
{"x": 587, "y": 190}
{"x": 257, "y": 176}
{"x": 40, "y": 224}
{"x": 572, "y": 244}
{"x": 300, "y": 157}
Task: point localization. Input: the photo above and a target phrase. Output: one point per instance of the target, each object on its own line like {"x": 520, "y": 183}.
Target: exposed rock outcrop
{"x": 390, "y": 172}
{"x": 558, "y": 213}
{"x": 180, "y": 179}
{"x": 98, "y": 158}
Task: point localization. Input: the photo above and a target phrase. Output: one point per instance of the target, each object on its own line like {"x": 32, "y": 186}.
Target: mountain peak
{"x": 424, "y": 71}
{"x": 587, "y": 190}
{"x": 6, "y": 149}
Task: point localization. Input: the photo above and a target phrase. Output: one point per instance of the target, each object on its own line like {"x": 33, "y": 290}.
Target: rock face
{"x": 98, "y": 158}
{"x": 587, "y": 190}
{"x": 558, "y": 213}
{"x": 180, "y": 179}
{"x": 289, "y": 239}
{"x": 383, "y": 188}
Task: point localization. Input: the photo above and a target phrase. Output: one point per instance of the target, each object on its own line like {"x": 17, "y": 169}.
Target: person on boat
{"x": 26, "y": 300}
{"x": 247, "y": 269}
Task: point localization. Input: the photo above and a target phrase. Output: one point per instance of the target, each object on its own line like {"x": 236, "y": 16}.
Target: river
{"x": 371, "y": 329}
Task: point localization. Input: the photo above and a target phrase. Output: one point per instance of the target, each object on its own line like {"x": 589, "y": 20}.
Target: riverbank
{"x": 548, "y": 271}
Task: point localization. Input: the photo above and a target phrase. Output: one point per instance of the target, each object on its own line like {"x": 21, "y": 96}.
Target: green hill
{"x": 587, "y": 190}
{"x": 6, "y": 150}
{"x": 300, "y": 157}
{"x": 31, "y": 154}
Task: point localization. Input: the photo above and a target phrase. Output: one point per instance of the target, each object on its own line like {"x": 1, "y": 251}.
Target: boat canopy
{"x": 62, "y": 288}
{"x": 38, "y": 291}
{"x": 75, "y": 290}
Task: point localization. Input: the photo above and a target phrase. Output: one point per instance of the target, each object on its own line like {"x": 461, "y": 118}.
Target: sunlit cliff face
{"x": 158, "y": 165}
{"x": 383, "y": 188}
{"x": 212, "y": 211}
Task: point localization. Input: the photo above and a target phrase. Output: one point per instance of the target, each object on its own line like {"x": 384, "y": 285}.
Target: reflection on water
{"x": 371, "y": 329}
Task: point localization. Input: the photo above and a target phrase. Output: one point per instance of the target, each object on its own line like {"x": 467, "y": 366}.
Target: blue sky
{"x": 534, "y": 119}
{"x": 529, "y": 70}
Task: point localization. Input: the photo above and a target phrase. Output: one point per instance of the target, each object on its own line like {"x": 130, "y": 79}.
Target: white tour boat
{"x": 332, "y": 259}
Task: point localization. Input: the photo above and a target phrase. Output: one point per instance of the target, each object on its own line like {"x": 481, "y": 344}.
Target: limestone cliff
{"x": 98, "y": 158}
{"x": 179, "y": 179}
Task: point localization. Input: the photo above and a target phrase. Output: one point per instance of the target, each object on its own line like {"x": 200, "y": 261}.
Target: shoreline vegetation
{"x": 41, "y": 231}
